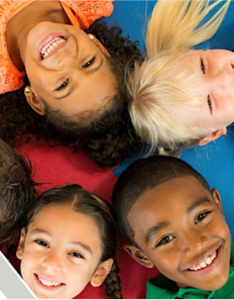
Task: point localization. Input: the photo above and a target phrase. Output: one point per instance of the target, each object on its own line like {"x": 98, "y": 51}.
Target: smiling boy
{"x": 175, "y": 223}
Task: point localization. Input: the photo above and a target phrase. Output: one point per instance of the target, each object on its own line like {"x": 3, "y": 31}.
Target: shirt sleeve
{"x": 87, "y": 12}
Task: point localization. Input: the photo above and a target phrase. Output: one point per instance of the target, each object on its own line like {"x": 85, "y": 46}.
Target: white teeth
{"x": 209, "y": 261}
{"x": 49, "y": 283}
{"x": 50, "y": 45}
{"x": 203, "y": 264}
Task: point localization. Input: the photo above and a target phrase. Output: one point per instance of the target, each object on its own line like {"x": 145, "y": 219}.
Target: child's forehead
{"x": 53, "y": 218}
{"x": 181, "y": 189}
{"x": 170, "y": 202}
{"x": 58, "y": 211}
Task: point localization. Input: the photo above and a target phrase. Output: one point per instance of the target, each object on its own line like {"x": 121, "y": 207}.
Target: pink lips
{"x": 209, "y": 267}
{"x": 46, "y": 40}
{"x": 48, "y": 288}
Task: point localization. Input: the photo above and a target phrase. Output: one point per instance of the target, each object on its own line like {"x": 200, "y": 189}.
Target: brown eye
{"x": 165, "y": 240}
{"x": 41, "y": 243}
{"x": 63, "y": 85}
{"x": 202, "y": 66}
{"x": 202, "y": 216}
{"x": 89, "y": 63}
{"x": 77, "y": 255}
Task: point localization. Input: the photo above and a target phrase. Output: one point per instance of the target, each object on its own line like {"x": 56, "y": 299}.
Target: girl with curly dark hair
{"x": 76, "y": 74}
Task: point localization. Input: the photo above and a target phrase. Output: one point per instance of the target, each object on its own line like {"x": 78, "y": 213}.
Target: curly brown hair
{"x": 109, "y": 138}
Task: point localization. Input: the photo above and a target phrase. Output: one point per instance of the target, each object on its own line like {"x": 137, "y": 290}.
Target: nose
{"x": 61, "y": 60}
{"x": 52, "y": 261}
{"x": 220, "y": 81}
{"x": 193, "y": 243}
{"x": 66, "y": 60}
{"x": 221, "y": 73}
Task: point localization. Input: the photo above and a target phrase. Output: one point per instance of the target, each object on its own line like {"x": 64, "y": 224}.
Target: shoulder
{"x": 8, "y": 8}
{"x": 161, "y": 288}
{"x": 90, "y": 11}
{"x": 10, "y": 77}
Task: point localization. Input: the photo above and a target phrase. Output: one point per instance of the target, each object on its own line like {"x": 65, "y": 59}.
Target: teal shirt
{"x": 162, "y": 288}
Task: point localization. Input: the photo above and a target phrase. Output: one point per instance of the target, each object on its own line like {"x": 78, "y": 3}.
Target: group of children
{"x": 135, "y": 101}
{"x": 66, "y": 238}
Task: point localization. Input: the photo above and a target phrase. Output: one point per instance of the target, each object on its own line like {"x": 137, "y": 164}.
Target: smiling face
{"x": 180, "y": 229}
{"x": 67, "y": 69}
{"x": 213, "y": 75}
{"x": 60, "y": 253}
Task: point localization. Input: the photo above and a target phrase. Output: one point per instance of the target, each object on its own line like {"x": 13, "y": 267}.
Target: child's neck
{"x": 180, "y": 285}
{"x": 20, "y": 25}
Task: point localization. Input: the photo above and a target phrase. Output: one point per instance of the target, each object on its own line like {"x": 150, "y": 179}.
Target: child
{"x": 54, "y": 44}
{"x": 17, "y": 192}
{"x": 175, "y": 223}
{"x": 70, "y": 240}
{"x": 177, "y": 92}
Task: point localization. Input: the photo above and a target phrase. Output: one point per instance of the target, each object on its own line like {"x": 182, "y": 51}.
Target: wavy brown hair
{"x": 17, "y": 192}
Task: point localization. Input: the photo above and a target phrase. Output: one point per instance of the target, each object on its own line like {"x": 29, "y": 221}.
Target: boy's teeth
{"x": 49, "y": 283}
{"x": 203, "y": 264}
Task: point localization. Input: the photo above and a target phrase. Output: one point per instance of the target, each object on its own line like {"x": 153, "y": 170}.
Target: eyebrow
{"x": 85, "y": 247}
{"x": 97, "y": 67}
{"x": 153, "y": 230}
{"x": 197, "y": 203}
{"x": 35, "y": 231}
{"x": 71, "y": 89}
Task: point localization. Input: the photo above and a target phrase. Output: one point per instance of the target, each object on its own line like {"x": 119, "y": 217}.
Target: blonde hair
{"x": 172, "y": 29}
{"x": 174, "y": 24}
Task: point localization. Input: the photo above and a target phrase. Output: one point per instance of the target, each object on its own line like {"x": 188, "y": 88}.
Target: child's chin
{"x": 215, "y": 286}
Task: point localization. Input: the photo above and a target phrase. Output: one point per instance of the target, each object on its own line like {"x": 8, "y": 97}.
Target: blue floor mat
{"x": 215, "y": 162}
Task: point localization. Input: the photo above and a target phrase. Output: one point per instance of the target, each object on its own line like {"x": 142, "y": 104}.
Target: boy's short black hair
{"x": 141, "y": 176}
{"x": 17, "y": 192}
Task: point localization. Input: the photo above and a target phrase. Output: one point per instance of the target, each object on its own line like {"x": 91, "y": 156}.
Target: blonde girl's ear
{"x": 101, "y": 273}
{"x": 139, "y": 256}
{"x": 36, "y": 104}
{"x": 213, "y": 136}
{"x": 20, "y": 248}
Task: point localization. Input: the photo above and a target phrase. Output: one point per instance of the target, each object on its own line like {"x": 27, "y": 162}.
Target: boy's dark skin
{"x": 174, "y": 222}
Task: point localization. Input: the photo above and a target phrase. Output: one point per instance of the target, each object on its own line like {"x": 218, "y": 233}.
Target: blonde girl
{"x": 70, "y": 240}
{"x": 181, "y": 96}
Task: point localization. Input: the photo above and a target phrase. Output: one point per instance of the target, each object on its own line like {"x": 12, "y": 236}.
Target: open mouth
{"x": 48, "y": 283}
{"x": 52, "y": 46}
{"x": 205, "y": 262}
